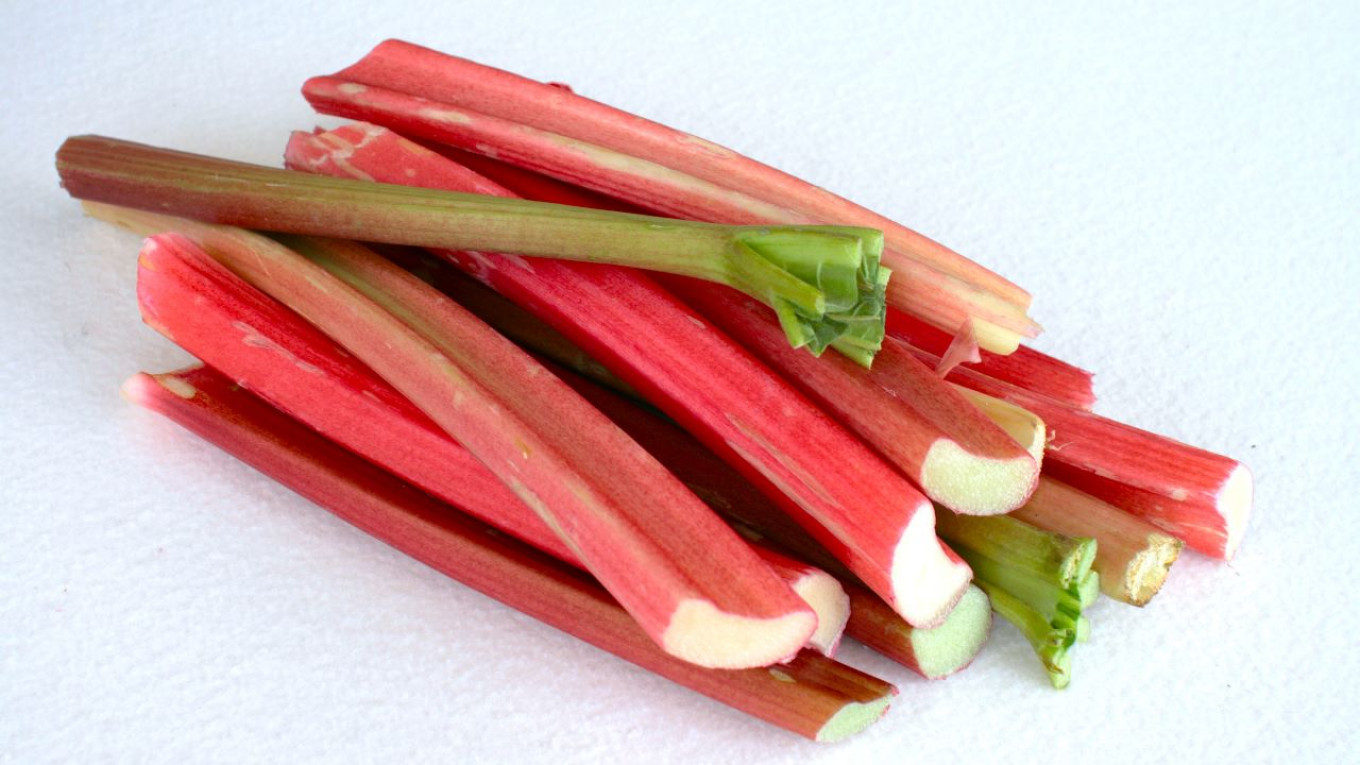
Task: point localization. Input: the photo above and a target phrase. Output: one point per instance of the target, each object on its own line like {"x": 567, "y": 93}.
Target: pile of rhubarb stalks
{"x": 692, "y": 410}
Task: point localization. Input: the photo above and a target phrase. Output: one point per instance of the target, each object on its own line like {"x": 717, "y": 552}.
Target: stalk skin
{"x": 812, "y": 696}
{"x": 1027, "y": 368}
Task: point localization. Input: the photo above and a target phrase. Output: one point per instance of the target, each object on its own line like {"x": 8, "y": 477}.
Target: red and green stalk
{"x": 812, "y": 696}
{"x": 550, "y": 130}
{"x": 856, "y": 505}
{"x": 691, "y": 583}
{"x": 823, "y": 282}
{"x": 272, "y": 351}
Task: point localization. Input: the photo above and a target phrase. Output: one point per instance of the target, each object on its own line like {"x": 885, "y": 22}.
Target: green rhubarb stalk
{"x": 1038, "y": 580}
{"x": 1020, "y": 547}
{"x": 1050, "y": 643}
{"x": 823, "y": 282}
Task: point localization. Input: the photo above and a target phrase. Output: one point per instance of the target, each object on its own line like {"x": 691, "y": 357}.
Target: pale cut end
{"x": 853, "y": 718}
{"x": 828, "y": 600}
{"x": 141, "y": 388}
{"x": 997, "y": 339}
{"x": 1019, "y": 423}
{"x": 1234, "y": 503}
{"x": 702, "y": 635}
{"x": 950, "y": 647}
{"x": 973, "y": 485}
{"x": 1147, "y": 570}
{"x": 927, "y": 578}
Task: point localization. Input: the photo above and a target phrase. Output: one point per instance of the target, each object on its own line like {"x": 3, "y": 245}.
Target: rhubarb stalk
{"x": 957, "y": 455}
{"x": 1026, "y": 367}
{"x": 811, "y": 696}
{"x": 696, "y": 588}
{"x": 1132, "y": 556}
{"x": 823, "y": 282}
{"x": 550, "y": 130}
{"x": 1038, "y": 580}
{"x": 856, "y": 506}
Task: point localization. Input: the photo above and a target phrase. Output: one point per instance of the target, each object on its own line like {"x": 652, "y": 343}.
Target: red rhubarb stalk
{"x": 942, "y": 299}
{"x": 856, "y": 505}
{"x": 1026, "y": 368}
{"x": 1193, "y": 494}
{"x": 812, "y": 696}
{"x": 410, "y": 69}
{"x": 932, "y": 653}
{"x": 932, "y": 433}
{"x": 272, "y": 351}
{"x": 695, "y": 587}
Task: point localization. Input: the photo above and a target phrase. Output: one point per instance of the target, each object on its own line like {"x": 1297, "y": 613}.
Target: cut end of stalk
{"x": 707, "y": 637}
{"x": 950, "y": 647}
{"x": 974, "y": 485}
{"x": 853, "y": 718}
{"x": 928, "y": 579}
{"x": 1019, "y": 423}
{"x": 824, "y": 283}
{"x": 1234, "y": 502}
{"x": 1149, "y": 568}
{"x": 828, "y": 600}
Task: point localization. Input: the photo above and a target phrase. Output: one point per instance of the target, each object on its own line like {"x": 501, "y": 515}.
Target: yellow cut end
{"x": 828, "y": 600}
{"x": 701, "y": 634}
{"x": 1148, "y": 569}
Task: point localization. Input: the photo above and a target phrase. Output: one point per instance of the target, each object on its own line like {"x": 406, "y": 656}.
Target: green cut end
{"x": 824, "y": 283}
{"x": 853, "y": 718}
{"x": 1088, "y": 589}
{"x": 950, "y": 647}
{"x": 1051, "y": 640}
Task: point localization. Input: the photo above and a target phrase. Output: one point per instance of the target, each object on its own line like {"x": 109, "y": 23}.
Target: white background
{"x": 1175, "y": 182}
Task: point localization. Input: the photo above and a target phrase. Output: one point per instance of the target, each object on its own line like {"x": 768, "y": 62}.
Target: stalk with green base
{"x": 823, "y": 282}
{"x": 1040, "y": 581}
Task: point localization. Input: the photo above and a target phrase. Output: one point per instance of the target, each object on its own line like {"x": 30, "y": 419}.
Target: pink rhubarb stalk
{"x": 272, "y": 351}
{"x": 812, "y": 696}
{"x": 551, "y": 131}
{"x": 695, "y": 587}
{"x": 857, "y": 506}
{"x": 1133, "y": 557}
{"x": 1193, "y": 494}
{"x": 929, "y": 431}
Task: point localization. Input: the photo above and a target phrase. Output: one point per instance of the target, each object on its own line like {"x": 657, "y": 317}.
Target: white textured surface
{"x": 1177, "y": 183}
